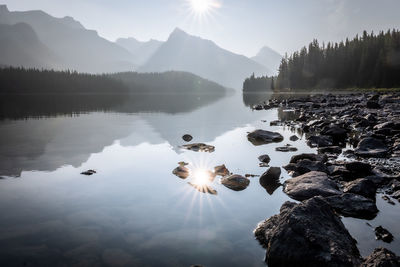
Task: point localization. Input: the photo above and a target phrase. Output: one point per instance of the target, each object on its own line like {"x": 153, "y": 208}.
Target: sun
{"x": 201, "y": 6}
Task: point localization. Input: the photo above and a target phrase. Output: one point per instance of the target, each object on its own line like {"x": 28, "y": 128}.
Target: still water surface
{"x": 134, "y": 211}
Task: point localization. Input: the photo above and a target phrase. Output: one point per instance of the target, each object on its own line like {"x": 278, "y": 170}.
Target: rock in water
{"x": 261, "y": 137}
{"x": 88, "y": 172}
{"x": 309, "y": 185}
{"x": 352, "y": 205}
{"x": 221, "y": 170}
{"x": 235, "y": 182}
{"x": 286, "y": 149}
{"x": 187, "y": 138}
{"x": 362, "y": 186}
{"x": 381, "y": 257}
{"x": 307, "y": 234}
{"x": 370, "y": 147}
{"x": 199, "y": 147}
{"x": 294, "y": 138}
{"x": 383, "y": 234}
{"x": 264, "y": 159}
{"x": 181, "y": 171}
{"x": 270, "y": 179}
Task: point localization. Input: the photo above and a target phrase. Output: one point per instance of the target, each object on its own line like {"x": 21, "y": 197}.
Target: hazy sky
{"x": 242, "y": 26}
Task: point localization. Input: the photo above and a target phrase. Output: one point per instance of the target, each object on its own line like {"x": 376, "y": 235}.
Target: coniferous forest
{"x": 369, "y": 61}
{"x": 258, "y": 84}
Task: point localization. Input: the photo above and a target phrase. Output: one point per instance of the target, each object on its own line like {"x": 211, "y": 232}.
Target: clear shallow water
{"x": 134, "y": 211}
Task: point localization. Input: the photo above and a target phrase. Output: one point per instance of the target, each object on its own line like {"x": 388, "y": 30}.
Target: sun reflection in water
{"x": 202, "y": 177}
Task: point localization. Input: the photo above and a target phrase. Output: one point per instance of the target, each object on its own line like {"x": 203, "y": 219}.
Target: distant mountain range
{"x": 36, "y": 39}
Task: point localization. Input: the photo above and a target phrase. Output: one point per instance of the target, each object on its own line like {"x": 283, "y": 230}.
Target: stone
{"x": 371, "y": 147}
{"x": 221, "y": 170}
{"x": 264, "y": 158}
{"x": 309, "y": 185}
{"x": 261, "y": 137}
{"x": 362, "y": 186}
{"x": 88, "y": 172}
{"x": 381, "y": 257}
{"x": 187, "y": 138}
{"x": 270, "y": 179}
{"x": 383, "y": 234}
{"x": 181, "y": 171}
{"x": 307, "y": 234}
{"x": 286, "y": 149}
{"x": 352, "y": 205}
{"x": 358, "y": 169}
{"x": 309, "y": 156}
{"x": 304, "y": 166}
{"x": 293, "y": 138}
{"x": 199, "y": 147}
{"x": 319, "y": 141}
{"x": 235, "y": 182}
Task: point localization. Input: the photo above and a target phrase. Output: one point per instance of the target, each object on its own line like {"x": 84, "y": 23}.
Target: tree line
{"x": 258, "y": 84}
{"x": 367, "y": 61}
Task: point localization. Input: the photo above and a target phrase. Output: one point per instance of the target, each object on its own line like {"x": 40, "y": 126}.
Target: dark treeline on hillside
{"x": 261, "y": 84}
{"x": 15, "y": 81}
{"x": 364, "y": 62}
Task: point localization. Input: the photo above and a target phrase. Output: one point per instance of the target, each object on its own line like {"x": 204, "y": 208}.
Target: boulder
{"x": 261, "y": 137}
{"x": 293, "y": 138}
{"x": 221, "y": 170}
{"x": 319, "y": 141}
{"x": 352, "y": 205}
{"x": 362, "y": 186}
{"x": 381, "y": 257}
{"x": 337, "y": 133}
{"x": 270, "y": 179}
{"x": 286, "y": 149}
{"x": 307, "y": 234}
{"x": 309, "y": 156}
{"x": 235, "y": 182}
{"x": 309, "y": 185}
{"x": 371, "y": 147}
{"x": 330, "y": 150}
{"x": 187, "y": 138}
{"x": 304, "y": 166}
{"x": 358, "y": 169}
{"x": 181, "y": 171}
{"x": 383, "y": 234}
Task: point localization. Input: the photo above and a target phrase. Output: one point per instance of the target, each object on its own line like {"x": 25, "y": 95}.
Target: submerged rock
{"x": 307, "y": 234}
{"x": 381, "y": 257}
{"x": 309, "y": 185}
{"x": 293, "y": 138}
{"x": 88, "y": 172}
{"x": 187, "y": 138}
{"x": 261, "y": 137}
{"x": 371, "y": 147}
{"x": 383, "y": 234}
{"x": 235, "y": 182}
{"x": 352, "y": 205}
{"x": 286, "y": 149}
{"x": 199, "y": 147}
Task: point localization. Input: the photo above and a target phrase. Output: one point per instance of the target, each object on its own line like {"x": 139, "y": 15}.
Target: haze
{"x": 284, "y": 26}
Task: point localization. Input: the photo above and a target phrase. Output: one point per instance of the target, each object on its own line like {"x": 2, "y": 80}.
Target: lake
{"x": 134, "y": 211}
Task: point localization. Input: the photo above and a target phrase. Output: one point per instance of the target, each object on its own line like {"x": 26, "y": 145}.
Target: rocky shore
{"x": 357, "y": 137}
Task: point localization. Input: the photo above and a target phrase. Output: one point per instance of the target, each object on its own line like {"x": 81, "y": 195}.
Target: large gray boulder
{"x": 309, "y": 185}
{"x": 382, "y": 257}
{"x": 370, "y": 147}
{"x": 307, "y": 234}
{"x": 352, "y": 205}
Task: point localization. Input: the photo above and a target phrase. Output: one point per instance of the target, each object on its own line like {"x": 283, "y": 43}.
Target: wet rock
{"x": 319, "y": 141}
{"x": 88, "y": 172}
{"x": 204, "y": 188}
{"x": 358, "y": 169}
{"x": 309, "y": 156}
{"x": 261, "y": 137}
{"x": 381, "y": 257}
{"x": 330, "y": 150}
{"x": 293, "y": 138}
{"x": 270, "y": 179}
{"x": 396, "y": 195}
{"x": 373, "y": 105}
{"x": 309, "y": 185}
{"x": 383, "y": 234}
{"x": 264, "y": 158}
{"x": 352, "y": 205}
{"x": 221, "y": 170}
{"x": 305, "y": 166}
{"x": 235, "y": 182}
{"x": 181, "y": 171}
{"x": 187, "y": 138}
{"x": 371, "y": 147}
{"x": 363, "y": 187}
{"x": 337, "y": 133}
{"x": 307, "y": 234}
{"x": 286, "y": 149}
{"x": 247, "y": 175}
{"x": 199, "y": 147}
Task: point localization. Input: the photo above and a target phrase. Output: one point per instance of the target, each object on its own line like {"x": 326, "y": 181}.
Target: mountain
{"x": 141, "y": 51}
{"x": 79, "y": 49}
{"x": 183, "y": 52}
{"x": 269, "y": 58}
{"x": 20, "y": 46}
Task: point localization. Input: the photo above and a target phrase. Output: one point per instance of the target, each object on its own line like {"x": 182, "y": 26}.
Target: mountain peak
{"x": 4, "y": 9}
{"x": 178, "y": 32}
